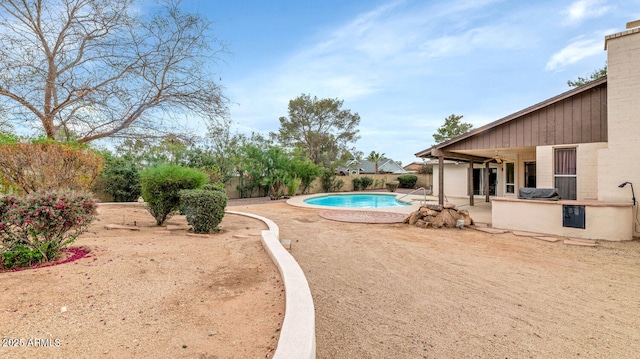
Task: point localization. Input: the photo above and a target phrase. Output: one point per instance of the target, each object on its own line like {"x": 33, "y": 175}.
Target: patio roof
{"x": 575, "y": 116}
{"x": 585, "y": 105}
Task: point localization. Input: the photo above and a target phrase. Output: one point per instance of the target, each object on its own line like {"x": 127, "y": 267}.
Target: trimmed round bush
{"x": 217, "y": 186}
{"x": 407, "y": 181}
{"x": 203, "y": 208}
{"x": 392, "y": 185}
{"x": 161, "y": 188}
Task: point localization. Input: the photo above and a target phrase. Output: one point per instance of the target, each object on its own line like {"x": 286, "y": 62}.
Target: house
{"x": 417, "y": 167}
{"x": 583, "y": 142}
{"x": 385, "y": 166}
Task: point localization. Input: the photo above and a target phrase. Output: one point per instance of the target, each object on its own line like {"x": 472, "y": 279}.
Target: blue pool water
{"x": 356, "y": 201}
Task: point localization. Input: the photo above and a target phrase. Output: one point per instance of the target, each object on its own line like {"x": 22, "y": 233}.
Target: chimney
{"x": 632, "y": 24}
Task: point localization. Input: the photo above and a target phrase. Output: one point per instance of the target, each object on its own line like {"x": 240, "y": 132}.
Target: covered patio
{"x": 554, "y": 145}
{"x": 517, "y": 151}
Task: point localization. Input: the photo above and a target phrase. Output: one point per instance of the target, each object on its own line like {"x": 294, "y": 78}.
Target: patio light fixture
{"x": 632, "y": 192}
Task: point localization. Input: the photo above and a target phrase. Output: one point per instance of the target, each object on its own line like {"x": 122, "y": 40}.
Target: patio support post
{"x": 486, "y": 182}
{"x": 471, "y": 183}
{"x": 441, "y": 179}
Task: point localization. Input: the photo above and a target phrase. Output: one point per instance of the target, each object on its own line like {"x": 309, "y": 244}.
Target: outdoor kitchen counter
{"x": 585, "y": 202}
{"x": 612, "y": 221}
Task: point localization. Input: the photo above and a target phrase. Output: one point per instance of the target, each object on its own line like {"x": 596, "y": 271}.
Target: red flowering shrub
{"x": 35, "y": 227}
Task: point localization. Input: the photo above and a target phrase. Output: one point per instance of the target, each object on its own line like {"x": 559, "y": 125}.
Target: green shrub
{"x": 34, "y": 228}
{"x": 204, "y": 209}
{"x": 366, "y": 182}
{"x": 407, "y": 181}
{"x": 329, "y": 181}
{"x": 293, "y": 185}
{"x": 392, "y": 185}
{"x": 357, "y": 183}
{"x": 121, "y": 180}
{"x": 21, "y": 256}
{"x": 161, "y": 186}
{"x": 362, "y": 183}
{"x": 217, "y": 186}
{"x": 246, "y": 190}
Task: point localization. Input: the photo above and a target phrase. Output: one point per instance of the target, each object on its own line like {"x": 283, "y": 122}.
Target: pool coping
{"x": 413, "y": 200}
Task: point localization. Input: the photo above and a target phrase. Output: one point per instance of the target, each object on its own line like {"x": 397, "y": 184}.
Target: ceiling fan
{"x": 495, "y": 158}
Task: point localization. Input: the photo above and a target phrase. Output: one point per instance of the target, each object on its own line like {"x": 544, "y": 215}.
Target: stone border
{"x": 298, "y": 333}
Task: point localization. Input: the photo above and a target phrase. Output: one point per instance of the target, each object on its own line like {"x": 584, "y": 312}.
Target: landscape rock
{"x": 433, "y": 207}
{"x": 449, "y": 205}
{"x": 438, "y": 216}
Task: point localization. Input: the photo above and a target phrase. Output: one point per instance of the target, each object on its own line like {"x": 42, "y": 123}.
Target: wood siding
{"x": 581, "y": 118}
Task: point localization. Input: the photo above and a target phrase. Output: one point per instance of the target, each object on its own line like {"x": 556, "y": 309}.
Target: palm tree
{"x": 375, "y": 157}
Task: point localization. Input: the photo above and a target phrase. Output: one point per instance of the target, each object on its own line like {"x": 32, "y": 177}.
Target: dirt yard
{"x": 394, "y": 291}
{"x": 380, "y": 291}
{"x": 148, "y": 294}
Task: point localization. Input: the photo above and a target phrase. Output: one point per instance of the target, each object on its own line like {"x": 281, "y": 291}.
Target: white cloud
{"x": 584, "y": 9}
{"x": 579, "y": 49}
{"x": 486, "y": 37}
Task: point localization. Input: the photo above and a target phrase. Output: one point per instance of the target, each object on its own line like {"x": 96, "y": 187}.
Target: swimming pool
{"x": 356, "y": 201}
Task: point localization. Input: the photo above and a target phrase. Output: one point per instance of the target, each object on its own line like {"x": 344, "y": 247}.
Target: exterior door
{"x": 478, "y": 181}
{"x": 530, "y": 174}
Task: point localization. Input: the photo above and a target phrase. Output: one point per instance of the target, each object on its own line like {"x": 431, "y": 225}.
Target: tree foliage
{"x": 170, "y": 149}
{"x": 91, "y": 69}
{"x": 279, "y": 172}
{"x": 320, "y": 126}
{"x": 48, "y": 165}
{"x": 594, "y": 76}
{"x": 225, "y": 147}
{"x": 451, "y": 128}
{"x": 121, "y": 179}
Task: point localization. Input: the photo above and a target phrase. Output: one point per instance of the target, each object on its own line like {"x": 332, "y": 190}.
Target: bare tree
{"x": 5, "y": 125}
{"x": 91, "y": 69}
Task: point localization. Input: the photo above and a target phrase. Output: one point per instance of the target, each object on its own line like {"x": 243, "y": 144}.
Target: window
{"x": 565, "y": 172}
{"x": 510, "y": 177}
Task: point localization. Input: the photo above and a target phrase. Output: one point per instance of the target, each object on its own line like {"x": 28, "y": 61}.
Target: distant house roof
{"x": 385, "y": 165}
{"x": 413, "y": 166}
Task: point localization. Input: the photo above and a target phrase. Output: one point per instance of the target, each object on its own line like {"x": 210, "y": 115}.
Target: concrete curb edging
{"x": 298, "y": 333}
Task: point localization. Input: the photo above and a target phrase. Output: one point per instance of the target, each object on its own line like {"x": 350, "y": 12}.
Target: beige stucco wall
{"x": 586, "y": 168}
{"x": 456, "y": 177}
{"x": 620, "y": 162}
{"x": 602, "y": 221}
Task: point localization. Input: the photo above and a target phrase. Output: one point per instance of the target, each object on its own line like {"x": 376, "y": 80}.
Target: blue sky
{"x": 405, "y": 65}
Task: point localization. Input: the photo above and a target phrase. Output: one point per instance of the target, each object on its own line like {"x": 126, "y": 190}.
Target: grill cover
{"x": 543, "y": 194}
